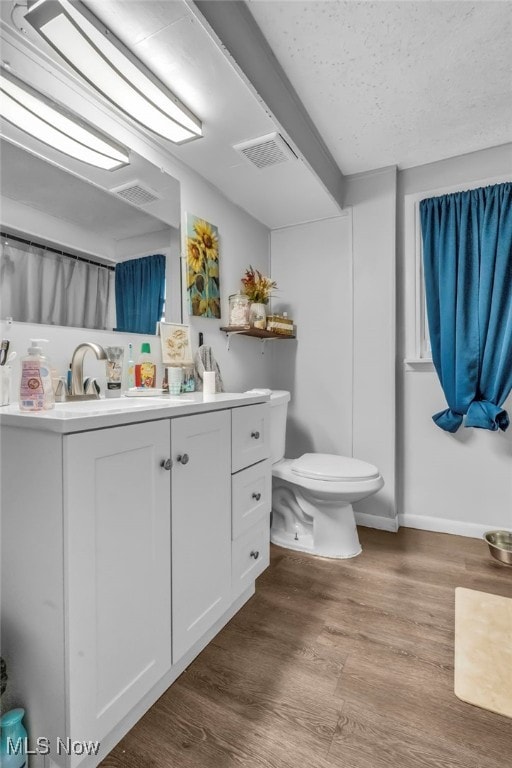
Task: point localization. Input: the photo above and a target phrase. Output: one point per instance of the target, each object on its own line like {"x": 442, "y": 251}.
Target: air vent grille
{"x": 136, "y": 194}
{"x": 266, "y": 151}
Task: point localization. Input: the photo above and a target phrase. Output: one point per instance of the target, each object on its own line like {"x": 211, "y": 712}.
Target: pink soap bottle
{"x": 36, "y": 390}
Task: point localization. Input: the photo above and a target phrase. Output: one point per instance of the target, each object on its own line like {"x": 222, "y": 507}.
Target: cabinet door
{"x": 201, "y": 525}
{"x": 117, "y": 527}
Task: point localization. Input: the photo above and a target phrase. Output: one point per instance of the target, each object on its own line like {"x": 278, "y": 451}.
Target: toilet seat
{"x": 333, "y": 468}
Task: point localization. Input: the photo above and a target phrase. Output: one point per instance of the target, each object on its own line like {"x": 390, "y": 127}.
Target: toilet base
{"x": 324, "y": 527}
{"x": 305, "y": 544}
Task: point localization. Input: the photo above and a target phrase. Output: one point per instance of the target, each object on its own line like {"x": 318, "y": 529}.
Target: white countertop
{"x": 80, "y": 416}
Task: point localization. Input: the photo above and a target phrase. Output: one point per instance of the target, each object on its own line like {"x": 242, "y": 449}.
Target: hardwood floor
{"x": 335, "y": 663}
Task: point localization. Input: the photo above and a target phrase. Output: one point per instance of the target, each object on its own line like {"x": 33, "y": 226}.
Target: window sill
{"x": 418, "y": 364}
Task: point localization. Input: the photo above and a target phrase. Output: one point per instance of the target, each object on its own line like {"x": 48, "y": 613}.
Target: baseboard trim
{"x": 444, "y": 525}
{"x": 376, "y": 521}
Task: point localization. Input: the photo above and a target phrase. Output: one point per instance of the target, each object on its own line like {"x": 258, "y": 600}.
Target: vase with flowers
{"x": 258, "y": 290}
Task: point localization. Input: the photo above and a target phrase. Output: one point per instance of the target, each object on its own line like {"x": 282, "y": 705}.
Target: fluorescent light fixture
{"x": 110, "y": 67}
{"x": 50, "y": 123}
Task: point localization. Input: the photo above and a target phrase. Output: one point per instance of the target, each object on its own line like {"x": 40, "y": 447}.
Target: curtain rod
{"x": 56, "y": 250}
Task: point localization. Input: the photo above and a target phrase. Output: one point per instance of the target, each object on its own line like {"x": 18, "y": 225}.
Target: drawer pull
{"x": 255, "y": 554}
{"x": 256, "y": 496}
{"x": 256, "y": 435}
{"x": 166, "y": 464}
{"x": 182, "y": 459}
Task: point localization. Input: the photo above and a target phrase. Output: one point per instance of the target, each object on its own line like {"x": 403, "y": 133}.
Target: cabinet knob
{"x": 255, "y": 554}
{"x": 256, "y": 435}
{"x": 256, "y": 496}
{"x": 183, "y": 459}
{"x": 166, "y": 463}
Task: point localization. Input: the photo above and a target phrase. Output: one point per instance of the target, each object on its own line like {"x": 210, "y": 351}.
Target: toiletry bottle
{"x": 36, "y": 391}
{"x": 130, "y": 366}
{"x": 13, "y": 740}
{"x": 145, "y": 370}
{"x": 114, "y": 370}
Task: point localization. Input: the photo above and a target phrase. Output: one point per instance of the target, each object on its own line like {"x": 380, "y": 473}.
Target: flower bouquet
{"x": 258, "y": 289}
{"x": 256, "y": 286}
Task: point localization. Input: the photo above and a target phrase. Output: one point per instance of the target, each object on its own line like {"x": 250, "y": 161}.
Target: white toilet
{"x": 312, "y": 496}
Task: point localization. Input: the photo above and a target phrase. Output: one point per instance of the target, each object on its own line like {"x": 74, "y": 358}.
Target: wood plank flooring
{"x": 335, "y": 663}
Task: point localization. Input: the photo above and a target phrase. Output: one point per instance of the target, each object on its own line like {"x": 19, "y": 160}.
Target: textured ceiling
{"x": 385, "y": 83}
{"x": 402, "y": 83}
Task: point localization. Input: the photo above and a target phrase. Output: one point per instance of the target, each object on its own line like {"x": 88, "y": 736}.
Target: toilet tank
{"x": 279, "y": 400}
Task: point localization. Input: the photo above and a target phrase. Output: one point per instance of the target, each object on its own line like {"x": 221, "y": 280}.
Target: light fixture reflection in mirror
{"x": 51, "y": 124}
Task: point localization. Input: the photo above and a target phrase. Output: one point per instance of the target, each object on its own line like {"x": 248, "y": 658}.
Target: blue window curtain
{"x": 140, "y": 293}
{"x": 467, "y": 257}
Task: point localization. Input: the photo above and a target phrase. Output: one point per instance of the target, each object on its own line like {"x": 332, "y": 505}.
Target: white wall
{"x": 312, "y": 265}
{"x": 459, "y": 483}
{"x": 372, "y": 197}
{"x": 337, "y": 280}
{"x": 242, "y": 241}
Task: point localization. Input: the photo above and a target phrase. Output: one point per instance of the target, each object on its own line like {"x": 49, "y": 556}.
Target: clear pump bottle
{"x": 36, "y": 390}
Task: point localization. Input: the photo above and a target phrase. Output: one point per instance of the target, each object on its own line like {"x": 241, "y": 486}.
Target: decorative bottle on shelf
{"x": 258, "y": 315}
{"x": 13, "y": 740}
{"x": 145, "y": 370}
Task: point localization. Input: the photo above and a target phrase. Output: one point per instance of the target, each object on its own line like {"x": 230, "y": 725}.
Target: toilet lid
{"x": 328, "y": 466}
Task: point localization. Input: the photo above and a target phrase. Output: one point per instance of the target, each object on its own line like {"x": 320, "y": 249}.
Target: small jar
{"x": 239, "y": 310}
{"x": 175, "y": 379}
{"x": 189, "y": 380}
{"x": 258, "y": 315}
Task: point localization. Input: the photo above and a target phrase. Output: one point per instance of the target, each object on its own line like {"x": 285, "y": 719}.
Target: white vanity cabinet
{"x": 86, "y": 582}
{"x": 201, "y": 525}
{"x": 117, "y": 570}
{"x": 125, "y": 548}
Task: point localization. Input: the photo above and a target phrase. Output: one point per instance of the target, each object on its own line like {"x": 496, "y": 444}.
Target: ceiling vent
{"x": 265, "y": 151}
{"x": 136, "y": 193}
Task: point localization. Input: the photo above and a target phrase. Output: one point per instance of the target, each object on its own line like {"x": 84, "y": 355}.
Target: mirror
{"x": 89, "y": 219}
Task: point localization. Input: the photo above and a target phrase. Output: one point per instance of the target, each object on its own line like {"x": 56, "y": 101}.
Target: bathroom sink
{"x": 89, "y": 407}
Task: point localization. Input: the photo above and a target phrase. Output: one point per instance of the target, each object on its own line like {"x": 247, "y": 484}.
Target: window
{"x": 417, "y": 342}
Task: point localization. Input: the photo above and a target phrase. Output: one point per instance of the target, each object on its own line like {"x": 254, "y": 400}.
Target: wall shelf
{"x": 256, "y": 333}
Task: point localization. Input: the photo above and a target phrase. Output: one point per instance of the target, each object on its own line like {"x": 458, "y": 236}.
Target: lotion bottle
{"x": 36, "y": 390}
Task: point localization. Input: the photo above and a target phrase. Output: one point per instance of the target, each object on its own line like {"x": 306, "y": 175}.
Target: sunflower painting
{"x": 203, "y": 267}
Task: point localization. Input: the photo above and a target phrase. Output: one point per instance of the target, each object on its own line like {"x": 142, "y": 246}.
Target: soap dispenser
{"x": 13, "y": 740}
{"x": 36, "y": 390}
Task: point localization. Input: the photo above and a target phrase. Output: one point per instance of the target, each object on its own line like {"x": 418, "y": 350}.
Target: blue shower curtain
{"x": 467, "y": 257}
{"x": 140, "y": 294}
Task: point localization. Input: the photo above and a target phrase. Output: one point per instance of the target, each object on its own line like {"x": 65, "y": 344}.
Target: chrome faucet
{"x": 77, "y": 371}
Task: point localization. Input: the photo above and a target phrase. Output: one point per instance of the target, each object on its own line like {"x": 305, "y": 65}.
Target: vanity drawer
{"x": 250, "y": 555}
{"x": 251, "y": 493}
{"x": 250, "y": 432}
